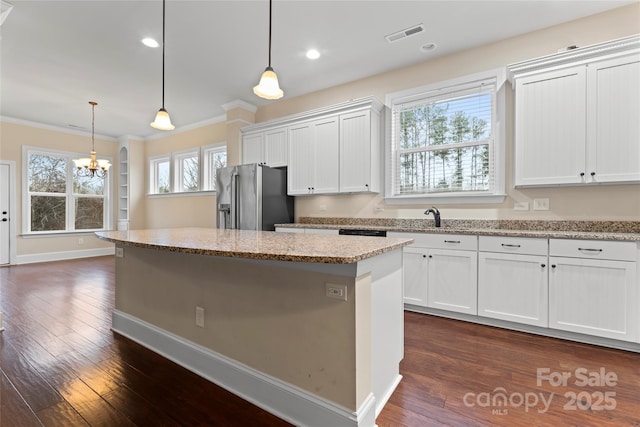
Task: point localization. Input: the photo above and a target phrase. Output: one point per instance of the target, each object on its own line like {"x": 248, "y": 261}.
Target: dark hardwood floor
{"x": 60, "y": 365}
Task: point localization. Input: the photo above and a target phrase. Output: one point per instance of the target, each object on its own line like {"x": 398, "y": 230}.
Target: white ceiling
{"x": 58, "y": 55}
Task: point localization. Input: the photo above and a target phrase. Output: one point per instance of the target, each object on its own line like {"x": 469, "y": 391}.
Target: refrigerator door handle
{"x": 234, "y": 200}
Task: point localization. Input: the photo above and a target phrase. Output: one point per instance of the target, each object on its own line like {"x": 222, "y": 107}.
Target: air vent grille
{"x": 411, "y": 31}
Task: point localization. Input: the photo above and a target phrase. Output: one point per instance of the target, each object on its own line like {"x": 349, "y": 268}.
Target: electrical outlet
{"x": 540, "y": 204}
{"x": 521, "y": 206}
{"x": 333, "y": 290}
{"x": 81, "y": 241}
{"x": 120, "y": 252}
{"x": 200, "y": 316}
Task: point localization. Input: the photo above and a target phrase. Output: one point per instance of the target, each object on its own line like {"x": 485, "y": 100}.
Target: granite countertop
{"x": 590, "y": 230}
{"x": 262, "y": 245}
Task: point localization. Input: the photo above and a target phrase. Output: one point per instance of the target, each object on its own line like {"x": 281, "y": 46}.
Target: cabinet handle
{"x": 581, "y": 173}
{"x": 366, "y": 185}
{"x": 424, "y": 256}
{"x": 543, "y": 265}
{"x": 430, "y": 256}
{"x": 589, "y": 250}
{"x": 452, "y": 241}
{"x": 553, "y": 266}
{"x": 506, "y": 245}
{"x": 593, "y": 174}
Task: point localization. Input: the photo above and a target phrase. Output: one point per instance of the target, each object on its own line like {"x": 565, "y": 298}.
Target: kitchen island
{"x": 308, "y": 327}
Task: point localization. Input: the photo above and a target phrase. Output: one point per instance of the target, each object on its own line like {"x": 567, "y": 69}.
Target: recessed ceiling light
{"x": 148, "y": 41}
{"x": 428, "y": 47}
{"x": 313, "y": 54}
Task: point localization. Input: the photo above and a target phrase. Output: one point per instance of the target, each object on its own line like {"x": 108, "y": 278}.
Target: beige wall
{"x": 195, "y": 210}
{"x": 12, "y": 138}
{"x": 621, "y": 202}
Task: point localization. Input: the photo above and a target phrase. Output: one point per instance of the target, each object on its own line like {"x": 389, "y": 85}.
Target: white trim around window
{"x": 65, "y": 192}
{"x": 177, "y": 174}
{"x": 487, "y": 86}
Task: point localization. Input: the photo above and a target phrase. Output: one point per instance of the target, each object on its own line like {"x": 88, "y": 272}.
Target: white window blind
{"x": 443, "y": 140}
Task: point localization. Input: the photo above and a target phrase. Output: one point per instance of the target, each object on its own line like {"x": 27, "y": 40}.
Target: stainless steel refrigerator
{"x": 252, "y": 197}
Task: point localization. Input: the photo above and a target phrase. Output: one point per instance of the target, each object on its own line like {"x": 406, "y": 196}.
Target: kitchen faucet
{"x": 436, "y": 214}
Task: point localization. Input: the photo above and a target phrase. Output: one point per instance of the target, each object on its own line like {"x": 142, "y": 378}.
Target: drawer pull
{"x": 510, "y": 246}
{"x": 543, "y": 265}
{"x": 452, "y": 241}
{"x": 589, "y": 250}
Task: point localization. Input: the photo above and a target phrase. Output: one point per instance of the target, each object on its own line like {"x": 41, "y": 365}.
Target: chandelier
{"x": 90, "y": 167}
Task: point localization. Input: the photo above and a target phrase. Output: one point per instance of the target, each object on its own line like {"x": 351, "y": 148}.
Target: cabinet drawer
{"x": 599, "y": 249}
{"x": 513, "y": 245}
{"x": 440, "y": 241}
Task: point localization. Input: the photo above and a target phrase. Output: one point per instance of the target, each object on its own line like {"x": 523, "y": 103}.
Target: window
{"x": 187, "y": 171}
{"x": 160, "y": 175}
{"x": 213, "y": 157}
{"x": 56, "y": 200}
{"x": 446, "y": 141}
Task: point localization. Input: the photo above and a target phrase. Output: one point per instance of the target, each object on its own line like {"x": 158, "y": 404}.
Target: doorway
{"x": 7, "y": 209}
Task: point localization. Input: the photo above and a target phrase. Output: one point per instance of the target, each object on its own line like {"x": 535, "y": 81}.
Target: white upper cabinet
{"x": 550, "y": 127}
{"x": 252, "y": 148}
{"x": 331, "y": 150}
{"x": 576, "y": 116}
{"x": 613, "y": 133}
{"x": 268, "y": 147}
{"x": 359, "y": 157}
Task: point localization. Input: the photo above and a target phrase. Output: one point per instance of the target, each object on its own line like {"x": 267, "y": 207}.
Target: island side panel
{"x": 274, "y": 319}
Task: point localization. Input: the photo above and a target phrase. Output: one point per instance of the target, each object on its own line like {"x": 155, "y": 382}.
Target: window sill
{"x": 182, "y": 194}
{"x": 38, "y": 235}
{"x": 453, "y": 199}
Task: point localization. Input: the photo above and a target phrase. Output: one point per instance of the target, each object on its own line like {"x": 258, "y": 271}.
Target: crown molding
{"x": 37, "y": 125}
{"x": 238, "y": 103}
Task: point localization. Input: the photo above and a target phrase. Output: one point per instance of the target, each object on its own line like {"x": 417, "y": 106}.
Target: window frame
{"x": 207, "y": 152}
{"x": 154, "y": 162}
{"x": 177, "y": 161}
{"x": 437, "y": 92}
{"x": 69, "y": 195}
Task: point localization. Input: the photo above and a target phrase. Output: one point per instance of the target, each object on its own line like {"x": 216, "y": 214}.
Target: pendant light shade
{"x": 162, "y": 120}
{"x": 268, "y": 88}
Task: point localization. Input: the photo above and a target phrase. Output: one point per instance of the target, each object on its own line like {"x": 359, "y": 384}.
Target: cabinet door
{"x": 595, "y": 297}
{"x": 614, "y": 127}
{"x": 452, "y": 280}
{"x": 550, "y": 128}
{"x": 415, "y": 276}
{"x": 327, "y": 153}
{"x": 355, "y": 152}
{"x": 513, "y": 287}
{"x": 252, "y": 148}
{"x": 276, "y": 147}
{"x": 301, "y": 170}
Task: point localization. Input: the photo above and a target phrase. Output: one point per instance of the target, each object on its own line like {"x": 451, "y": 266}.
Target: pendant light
{"x": 163, "y": 121}
{"x": 90, "y": 167}
{"x": 268, "y": 87}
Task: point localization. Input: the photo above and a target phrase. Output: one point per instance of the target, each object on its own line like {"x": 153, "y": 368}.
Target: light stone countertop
{"x": 262, "y": 245}
{"x": 589, "y": 230}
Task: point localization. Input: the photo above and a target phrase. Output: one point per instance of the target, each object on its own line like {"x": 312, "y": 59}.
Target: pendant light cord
{"x": 93, "y": 125}
{"x": 270, "y": 33}
{"x": 163, "y": 30}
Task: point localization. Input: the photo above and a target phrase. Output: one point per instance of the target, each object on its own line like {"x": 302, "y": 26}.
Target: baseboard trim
{"x": 284, "y": 400}
{"x": 538, "y": 330}
{"x": 65, "y": 255}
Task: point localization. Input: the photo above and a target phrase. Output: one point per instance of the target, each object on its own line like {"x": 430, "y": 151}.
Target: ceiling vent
{"x": 411, "y": 31}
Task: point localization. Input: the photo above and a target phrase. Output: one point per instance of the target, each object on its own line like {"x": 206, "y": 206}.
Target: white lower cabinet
{"x": 440, "y": 271}
{"x": 452, "y": 280}
{"x": 415, "y": 275}
{"x": 513, "y": 285}
{"x": 592, "y": 295}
